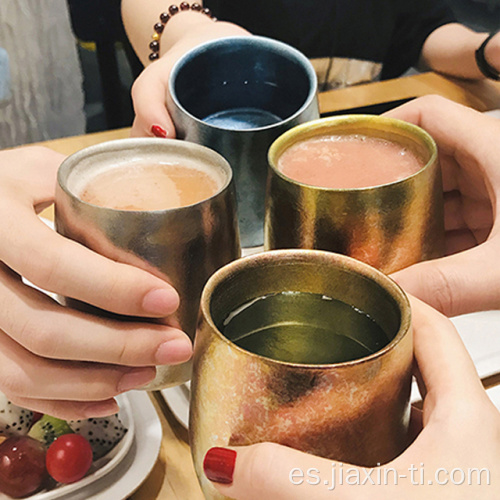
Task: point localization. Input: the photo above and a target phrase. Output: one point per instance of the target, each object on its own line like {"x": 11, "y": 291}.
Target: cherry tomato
{"x": 22, "y": 466}
{"x": 69, "y": 458}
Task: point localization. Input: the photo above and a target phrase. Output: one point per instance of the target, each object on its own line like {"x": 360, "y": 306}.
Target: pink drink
{"x": 149, "y": 187}
{"x": 348, "y": 161}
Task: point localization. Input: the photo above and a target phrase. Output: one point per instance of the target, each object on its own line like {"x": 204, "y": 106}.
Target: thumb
{"x": 149, "y": 97}
{"x": 269, "y": 471}
{"x": 458, "y": 284}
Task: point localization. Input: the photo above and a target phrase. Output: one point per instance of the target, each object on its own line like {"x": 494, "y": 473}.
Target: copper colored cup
{"x": 389, "y": 226}
{"x": 356, "y": 412}
{"x": 183, "y": 246}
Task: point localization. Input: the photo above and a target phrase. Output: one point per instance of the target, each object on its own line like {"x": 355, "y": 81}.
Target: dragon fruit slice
{"x": 103, "y": 434}
{"x": 14, "y": 420}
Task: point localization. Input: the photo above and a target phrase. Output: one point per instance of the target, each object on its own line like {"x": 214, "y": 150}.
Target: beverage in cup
{"x": 362, "y": 185}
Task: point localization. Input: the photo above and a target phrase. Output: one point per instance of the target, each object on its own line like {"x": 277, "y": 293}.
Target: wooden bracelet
{"x": 165, "y": 17}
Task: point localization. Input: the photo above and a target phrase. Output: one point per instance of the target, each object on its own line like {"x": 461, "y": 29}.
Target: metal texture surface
{"x": 238, "y": 73}
{"x": 390, "y": 226}
{"x": 356, "y": 412}
{"x": 183, "y": 246}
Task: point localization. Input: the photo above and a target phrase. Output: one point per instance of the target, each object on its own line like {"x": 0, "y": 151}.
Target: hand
{"x": 468, "y": 278}
{"x": 150, "y": 88}
{"x": 53, "y": 359}
{"x": 461, "y": 430}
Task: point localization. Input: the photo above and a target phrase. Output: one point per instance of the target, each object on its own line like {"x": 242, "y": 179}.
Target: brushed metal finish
{"x": 357, "y": 412}
{"x": 183, "y": 246}
{"x": 389, "y": 227}
{"x": 208, "y": 79}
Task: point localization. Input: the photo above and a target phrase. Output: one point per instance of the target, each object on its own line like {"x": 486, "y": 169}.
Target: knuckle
{"x": 13, "y": 383}
{"x": 125, "y": 353}
{"x": 45, "y": 273}
{"x": 38, "y": 340}
{"x": 444, "y": 292}
{"x": 432, "y": 100}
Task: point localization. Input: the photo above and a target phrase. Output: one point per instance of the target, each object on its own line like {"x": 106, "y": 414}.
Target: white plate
{"x": 177, "y": 399}
{"x": 124, "y": 468}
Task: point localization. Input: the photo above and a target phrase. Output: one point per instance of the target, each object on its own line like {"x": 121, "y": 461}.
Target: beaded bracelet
{"x": 165, "y": 17}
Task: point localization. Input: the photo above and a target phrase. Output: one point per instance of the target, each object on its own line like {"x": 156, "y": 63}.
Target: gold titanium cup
{"x": 357, "y": 412}
{"x": 389, "y": 226}
{"x": 183, "y": 246}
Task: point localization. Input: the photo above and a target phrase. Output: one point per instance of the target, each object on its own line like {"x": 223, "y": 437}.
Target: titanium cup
{"x": 183, "y": 245}
{"x": 356, "y": 412}
{"x": 390, "y": 226}
{"x": 237, "y": 95}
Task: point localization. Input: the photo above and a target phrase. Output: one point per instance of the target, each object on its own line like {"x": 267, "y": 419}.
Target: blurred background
{"x": 49, "y": 62}
{"x": 481, "y": 15}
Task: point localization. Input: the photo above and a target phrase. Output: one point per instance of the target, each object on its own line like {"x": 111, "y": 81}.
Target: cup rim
{"x": 141, "y": 142}
{"x": 323, "y": 126}
{"x": 245, "y": 39}
{"x": 300, "y": 256}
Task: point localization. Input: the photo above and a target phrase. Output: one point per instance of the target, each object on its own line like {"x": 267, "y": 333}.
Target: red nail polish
{"x": 219, "y": 465}
{"x": 158, "y": 131}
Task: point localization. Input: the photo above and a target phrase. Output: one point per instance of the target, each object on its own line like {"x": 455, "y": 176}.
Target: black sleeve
{"x": 416, "y": 20}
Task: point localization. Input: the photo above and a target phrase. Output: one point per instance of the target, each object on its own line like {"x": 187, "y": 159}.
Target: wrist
{"x": 492, "y": 52}
{"x": 199, "y": 34}
{"x": 487, "y": 56}
{"x": 190, "y": 14}
{"x": 182, "y": 26}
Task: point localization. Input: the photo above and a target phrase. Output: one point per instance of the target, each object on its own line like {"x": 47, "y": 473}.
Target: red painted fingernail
{"x": 219, "y": 465}
{"x": 158, "y": 131}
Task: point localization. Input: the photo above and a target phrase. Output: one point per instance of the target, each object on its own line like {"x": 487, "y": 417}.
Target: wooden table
{"x": 173, "y": 475}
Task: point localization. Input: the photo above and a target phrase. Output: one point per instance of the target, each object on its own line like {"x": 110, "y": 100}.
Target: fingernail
{"x": 136, "y": 378}
{"x": 219, "y": 465}
{"x": 160, "y": 302}
{"x": 102, "y": 409}
{"x": 158, "y": 131}
{"x": 174, "y": 351}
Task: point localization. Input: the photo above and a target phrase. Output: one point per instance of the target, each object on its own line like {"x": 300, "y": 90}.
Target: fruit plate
{"x": 123, "y": 469}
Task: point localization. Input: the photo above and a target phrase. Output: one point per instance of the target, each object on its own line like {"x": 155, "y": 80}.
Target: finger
{"x": 452, "y": 125}
{"x": 269, "y": 471}
{"x": 457, "y": 284}
{"x": 68, "y": 268}
{"x": 149, "y": 97}
{"x": 49, "y": 330}
{"x": 446, "y": 367}
{"x": 416, "y": 424}
{"x": 453, "y": 211}
{"x": 23, "y": 374}
{"x": 69, "y": 410}
{"x": 31, "y": 170}
{"x": 459, "y": 241}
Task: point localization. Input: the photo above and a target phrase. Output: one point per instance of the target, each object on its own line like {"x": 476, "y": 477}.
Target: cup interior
{"x": 332, "y": 275}
{"x": 256, "y": 80}
{"x": 404, "y": 134}
{"x": 82, "y": 167}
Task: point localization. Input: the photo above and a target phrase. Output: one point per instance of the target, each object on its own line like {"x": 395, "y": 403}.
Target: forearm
{"x": 139, "y": 17}
{"x": 450, "y": 49}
